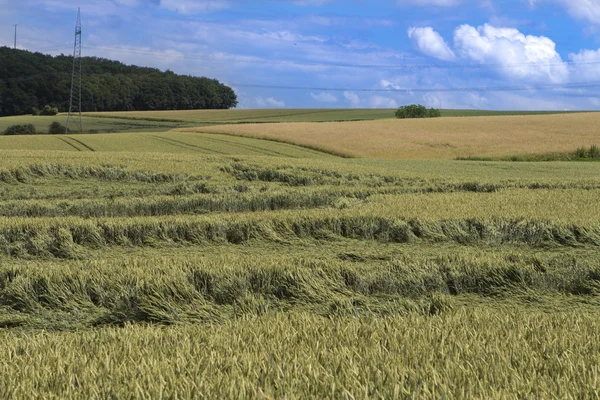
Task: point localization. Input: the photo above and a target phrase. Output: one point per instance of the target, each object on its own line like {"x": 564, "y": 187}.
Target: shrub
{"x": 26, "y": 129}
{"x": 417, "y": 111}
{"x": 48, "y": 111}
{"x": 56, "y": 128}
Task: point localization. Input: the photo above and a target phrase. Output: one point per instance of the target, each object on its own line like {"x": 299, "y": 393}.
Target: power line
{"x": 572, "y": 85}
{"x": 542, "y": 87}
{"x": 582, "y": 85}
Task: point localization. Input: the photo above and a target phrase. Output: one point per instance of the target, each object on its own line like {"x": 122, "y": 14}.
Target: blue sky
{"x": 377, "y": 53}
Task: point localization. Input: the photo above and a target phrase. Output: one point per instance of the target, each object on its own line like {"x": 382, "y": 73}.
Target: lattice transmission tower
{"x": 76, "y": 79}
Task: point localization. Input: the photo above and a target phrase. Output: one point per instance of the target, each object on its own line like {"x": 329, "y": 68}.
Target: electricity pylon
{"x": 76, "y": 80}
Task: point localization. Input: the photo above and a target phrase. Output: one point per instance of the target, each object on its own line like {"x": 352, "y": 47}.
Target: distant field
{"x": 172, "y": 142}
{"x": 162, "y": 121}
{"x": 441, "y": 138}
{"x": 291, "y": 115}
{"x": 90, "y": 123}
{"x": 491, "y": 113}
{"x": 260, "y": 115}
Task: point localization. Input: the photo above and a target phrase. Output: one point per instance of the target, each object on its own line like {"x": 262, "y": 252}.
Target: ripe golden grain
{"x": 438, "y": 138}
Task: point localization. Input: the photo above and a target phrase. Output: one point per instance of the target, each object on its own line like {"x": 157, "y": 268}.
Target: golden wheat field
{"x": 437, "y": 138}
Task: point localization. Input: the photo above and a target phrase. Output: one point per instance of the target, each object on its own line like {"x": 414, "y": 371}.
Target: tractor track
{"x": 246, "y": 146}
{"x": 69, "y": 143}
{"x": 81, "y": 143}
{"x": 185, "y": 145}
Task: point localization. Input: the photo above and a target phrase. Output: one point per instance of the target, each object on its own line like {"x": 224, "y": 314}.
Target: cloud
{"x": 128, "y": 3}
{"x": 269, "y": 102}
{"x": 353, "y": 98}
{"x": 585, "y": 65}
{"x": 439, "y": 3}
{"x": 431, "y": 43}
{"x": 194, "y": 7}
{"x": 381, "y": 102}
{"x": 585, "y": 10}
{"x": 527, "y": 58}
{"x": 456, "y": 100}
{"x": 89, "y": 9}
{"x": 375, "y": 101}
{"x": 403, "y": 84}
{"x": 588, "y": 10}
{"x": 141, "y": 56}
{"x": 305, "y": 3}
{"x": 324, "y": 97}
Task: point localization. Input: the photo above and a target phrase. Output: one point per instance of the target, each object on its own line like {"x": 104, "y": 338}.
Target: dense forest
{"x": 31, "y": 81}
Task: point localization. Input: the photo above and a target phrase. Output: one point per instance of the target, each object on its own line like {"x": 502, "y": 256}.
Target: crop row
{"x": 203, "y": 289}
{"x": 296, "y": 175}
{"x": 177, "y": 205}
{"x": 108, "y": 173}
{"x": 65, "y": 237}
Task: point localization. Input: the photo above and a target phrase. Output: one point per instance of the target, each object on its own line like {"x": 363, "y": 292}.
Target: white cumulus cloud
{"x": 528, "y": 58}
{"x": 431, "y": 43}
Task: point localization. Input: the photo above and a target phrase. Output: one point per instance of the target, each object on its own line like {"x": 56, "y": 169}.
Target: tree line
{"x": 417, "y": 111}
{"x": 30, "y": 81}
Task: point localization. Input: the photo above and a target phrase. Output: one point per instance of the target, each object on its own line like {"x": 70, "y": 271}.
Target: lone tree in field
{"x": 417, "y": 111}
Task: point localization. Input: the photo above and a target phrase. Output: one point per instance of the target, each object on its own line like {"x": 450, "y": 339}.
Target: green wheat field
{"x": 159, "y": 264}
